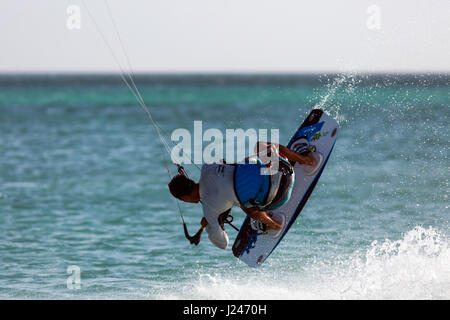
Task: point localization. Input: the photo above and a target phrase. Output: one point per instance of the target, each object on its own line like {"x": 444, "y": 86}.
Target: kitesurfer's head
{"x": 183, "y": 188}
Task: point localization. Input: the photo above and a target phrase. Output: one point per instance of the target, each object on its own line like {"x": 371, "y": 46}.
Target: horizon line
{"x": 236, "y": 72}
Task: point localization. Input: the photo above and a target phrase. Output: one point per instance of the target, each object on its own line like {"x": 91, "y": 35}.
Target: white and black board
{"x": 252, "y": 246}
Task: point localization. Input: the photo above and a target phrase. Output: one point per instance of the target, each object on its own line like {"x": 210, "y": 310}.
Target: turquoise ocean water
{"x": 83, "y": 183}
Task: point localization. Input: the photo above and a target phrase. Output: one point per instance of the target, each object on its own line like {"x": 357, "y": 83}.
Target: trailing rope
{"x": 131, "y": 84}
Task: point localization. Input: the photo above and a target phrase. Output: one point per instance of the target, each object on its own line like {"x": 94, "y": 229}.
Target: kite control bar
{"x": 196, "y": 238}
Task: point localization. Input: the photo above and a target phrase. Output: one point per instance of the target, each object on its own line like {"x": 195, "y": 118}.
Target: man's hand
{"x": 195, "y": 239}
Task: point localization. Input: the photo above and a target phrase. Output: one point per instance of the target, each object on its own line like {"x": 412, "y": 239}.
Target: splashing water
{"x": 346, "y": 81}
{"x": 414, "y": 267}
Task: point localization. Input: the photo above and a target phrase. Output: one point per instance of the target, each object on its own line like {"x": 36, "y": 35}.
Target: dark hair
{"x": 181, "y": 185}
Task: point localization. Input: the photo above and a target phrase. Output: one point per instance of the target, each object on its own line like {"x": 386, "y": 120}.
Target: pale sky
{"x": 228, "y": 36}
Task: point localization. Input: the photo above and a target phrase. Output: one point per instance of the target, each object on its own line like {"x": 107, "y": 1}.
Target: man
{"x": 223, "y": 186}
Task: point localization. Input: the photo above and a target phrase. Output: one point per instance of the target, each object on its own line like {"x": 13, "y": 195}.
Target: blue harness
{"x": 252, "y": 187}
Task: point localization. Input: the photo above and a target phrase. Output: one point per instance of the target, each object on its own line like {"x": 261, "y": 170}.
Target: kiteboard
{"x": 252, "y": 246}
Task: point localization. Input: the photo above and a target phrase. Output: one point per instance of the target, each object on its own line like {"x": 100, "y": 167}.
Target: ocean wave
{"x": 413, "y": 267}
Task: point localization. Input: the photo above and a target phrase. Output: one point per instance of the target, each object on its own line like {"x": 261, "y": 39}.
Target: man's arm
{"x": 262, "y": 216}
{"x": 203, "y": 223}
{"x": 264, "y": 147}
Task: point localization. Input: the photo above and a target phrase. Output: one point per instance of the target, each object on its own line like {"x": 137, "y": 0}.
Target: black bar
{"x": 224, "y": 309}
